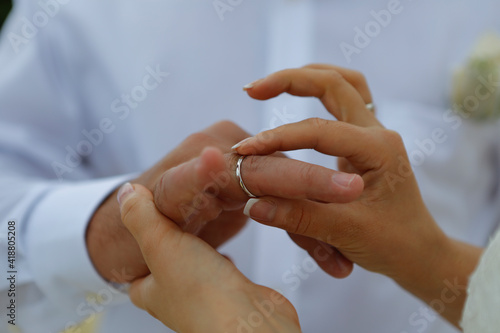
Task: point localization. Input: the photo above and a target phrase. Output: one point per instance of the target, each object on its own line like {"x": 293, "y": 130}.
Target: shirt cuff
{"x": 57, "y": 251}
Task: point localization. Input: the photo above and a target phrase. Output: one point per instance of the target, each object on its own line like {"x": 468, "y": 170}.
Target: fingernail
{"x": 239, "y": 144}
{"x": 251, "y": 85}
{"x": 343, "y": 179}
{"x": 261, "y": 210}
{"x": 124, "y": 192}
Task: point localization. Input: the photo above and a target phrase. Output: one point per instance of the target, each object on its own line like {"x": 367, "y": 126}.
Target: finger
{"x": 359, "y": 145}
{"x": 191, "y": 147}
{"x": 199, "y": 190}
{"x": 148, "y": 226}
{"x": 344, "y": 165}
{"x": 328, "y": 258}
{"x": 188, "y": 193}
{"x": 338, "y": 96}
{"x": 139, "y": 289}
{"x": 288, "y": 178}
{"x": 329, "y": 223}
{"x": 355, "y": 78}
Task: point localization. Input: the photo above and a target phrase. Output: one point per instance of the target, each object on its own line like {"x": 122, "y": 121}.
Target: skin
{"x": 206, "y": 199}
{"x": 388, "y": 229}
{"x": 191, "y": 287}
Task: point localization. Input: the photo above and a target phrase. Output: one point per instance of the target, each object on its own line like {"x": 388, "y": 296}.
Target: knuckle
{"x": 308, "y": 173}
{"x": 253, "y": 163}
{"x": 158, "y": 192}
{"x": 251, "y": 166}
{"x": 335, "y": 77}
{"x": 298, "y": 220}
{"x": 359, "y": 79}
{"x": 269, "y": 137}
{"x": 317, "y": 123}
{"x": 334, "y": 74}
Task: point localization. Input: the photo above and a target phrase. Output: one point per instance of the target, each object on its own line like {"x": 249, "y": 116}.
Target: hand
{"x": 113, "y": 250}
{"x": 388, "y": 229}
{"x": 192, "y": 288}
{"x": 203, "y": 196}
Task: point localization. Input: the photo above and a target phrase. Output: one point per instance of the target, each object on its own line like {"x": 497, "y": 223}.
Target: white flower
{"x": 476, "y": 86}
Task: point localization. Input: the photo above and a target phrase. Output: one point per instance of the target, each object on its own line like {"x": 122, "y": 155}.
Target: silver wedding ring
{"x": 371, "y": 107}
{"x": 240, "y": 177}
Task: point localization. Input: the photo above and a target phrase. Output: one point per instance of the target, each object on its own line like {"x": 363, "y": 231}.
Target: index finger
{"x": 337, "y": 94}
{"x": 355, "y": 78}
{"x": 359, "y": 145}
{"x": 147, "y": 225}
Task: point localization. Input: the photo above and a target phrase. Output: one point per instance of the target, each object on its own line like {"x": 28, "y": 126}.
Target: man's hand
{"x": 112, "y": 249}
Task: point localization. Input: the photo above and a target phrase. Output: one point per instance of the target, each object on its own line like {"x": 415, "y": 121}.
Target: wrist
{"x": 439, "y": 274}
{"x": 111, "y": 248}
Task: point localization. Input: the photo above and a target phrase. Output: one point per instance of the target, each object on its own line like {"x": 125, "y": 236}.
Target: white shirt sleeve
{"x": 55, "y": 240}
{"x": 53, "y": 274}
{"x": 52, "y": 267}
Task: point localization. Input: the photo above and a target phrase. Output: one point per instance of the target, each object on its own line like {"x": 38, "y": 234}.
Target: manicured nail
{"x": 124, "y": 192}
{"x": 251, "y": 85}
{"x": 261, "y": 210}
{"x": 239, "y": 144}
{"x": 343, "y": 179}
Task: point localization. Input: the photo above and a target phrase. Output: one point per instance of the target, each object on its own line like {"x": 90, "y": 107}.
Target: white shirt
{"x": 73, "y": 74}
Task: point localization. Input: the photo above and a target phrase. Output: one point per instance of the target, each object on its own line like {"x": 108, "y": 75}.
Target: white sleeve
{"x": 56, "y": 250}
{"x": 53, "y": 273}
{"x": 52, "y": 268}
{"x": 483, "y": 302}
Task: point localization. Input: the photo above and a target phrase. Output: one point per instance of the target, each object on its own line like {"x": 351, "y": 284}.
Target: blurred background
{"x": 5, "y": 6}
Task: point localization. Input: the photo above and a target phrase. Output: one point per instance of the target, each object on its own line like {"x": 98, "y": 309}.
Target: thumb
{"x": 145, "y": 222}
{"x": 138, "y": 291}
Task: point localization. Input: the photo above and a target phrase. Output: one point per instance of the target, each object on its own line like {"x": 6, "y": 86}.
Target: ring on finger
{"x": 240, "y": 178}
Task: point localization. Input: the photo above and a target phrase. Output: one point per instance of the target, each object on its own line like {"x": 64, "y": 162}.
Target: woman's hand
{"x": 192, "y": 288}
{"x": 387, "y": 230}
